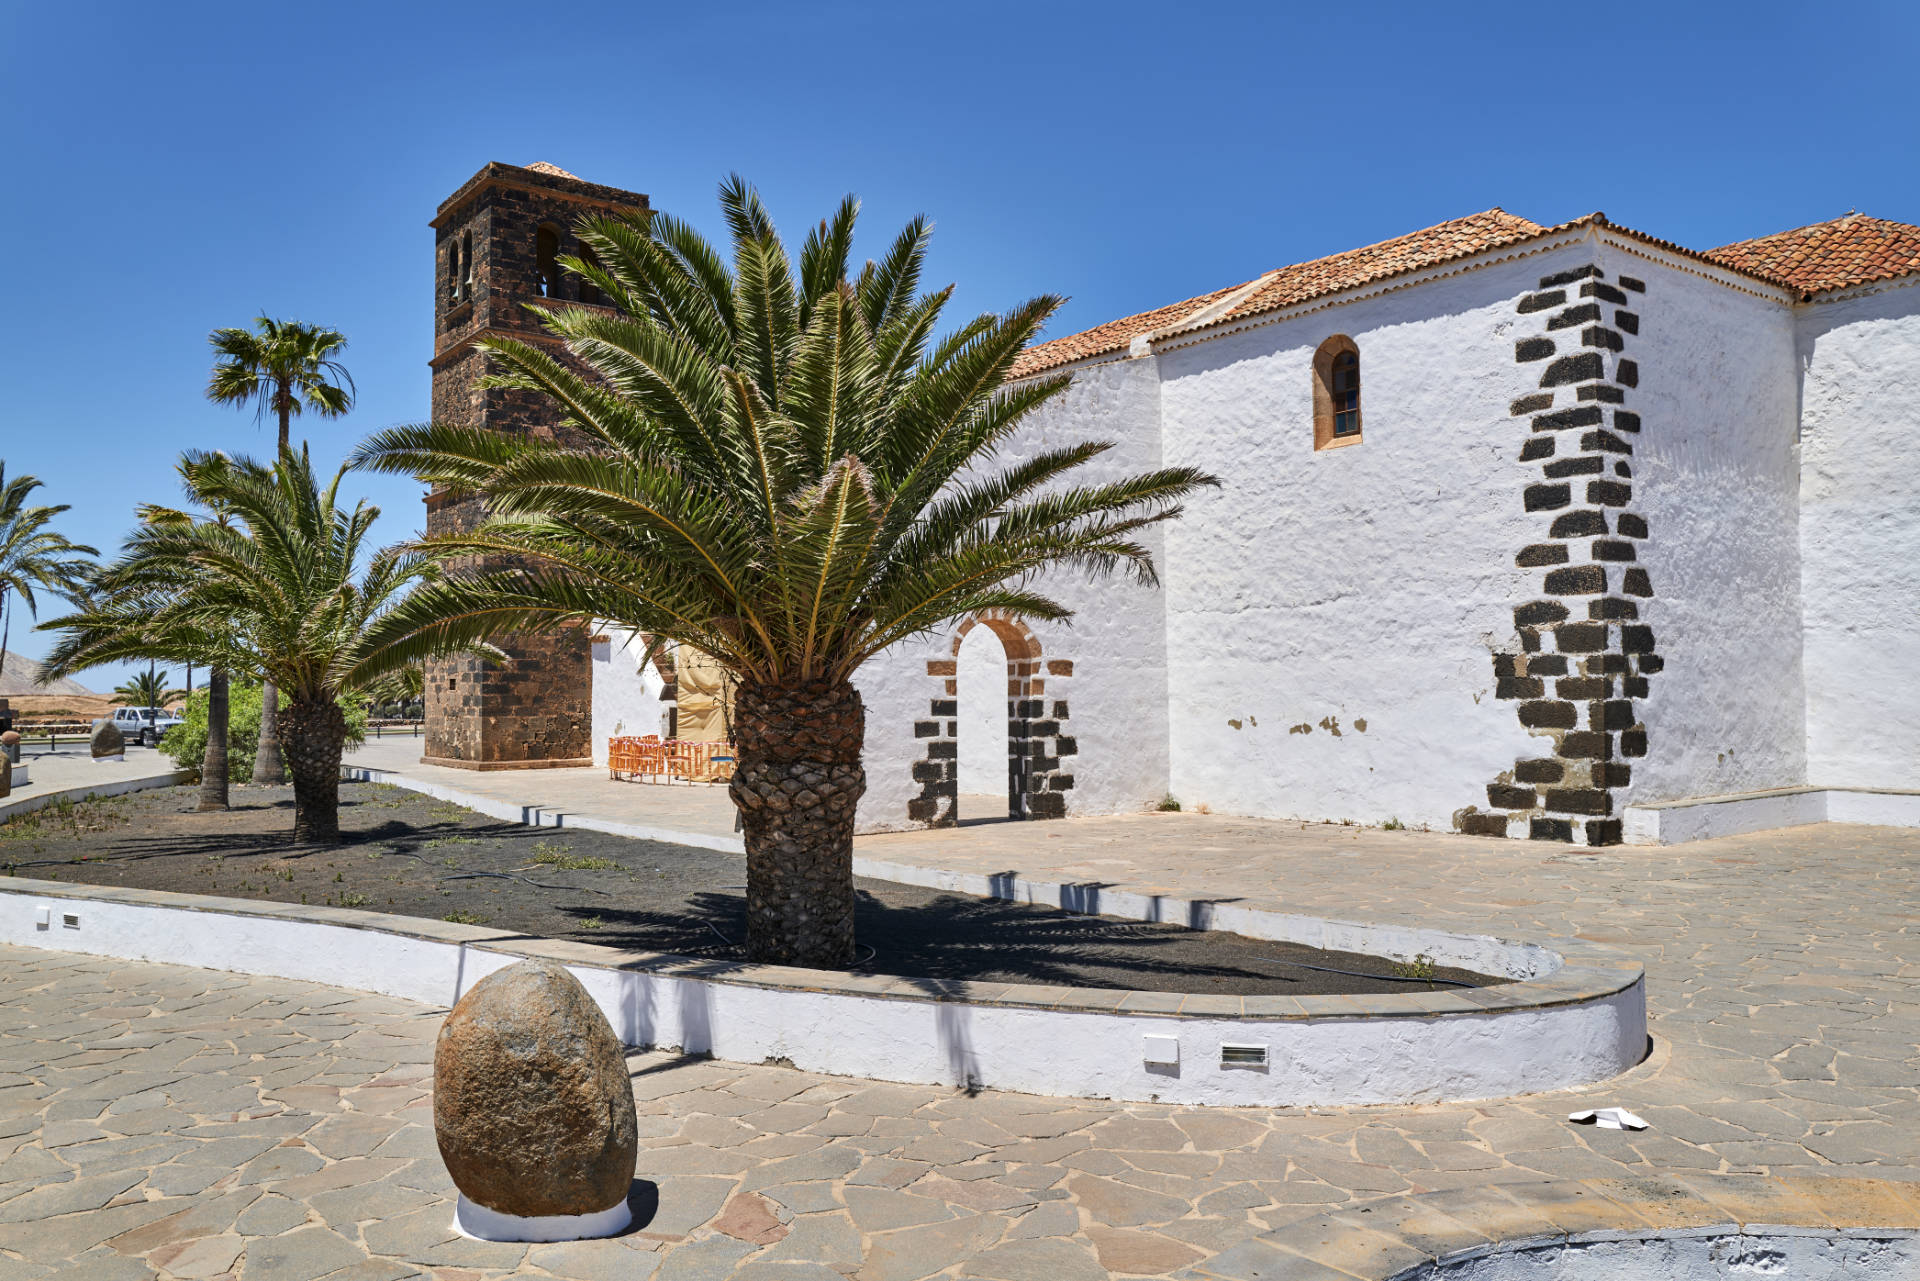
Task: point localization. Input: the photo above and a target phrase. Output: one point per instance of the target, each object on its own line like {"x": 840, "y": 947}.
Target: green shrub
{"x": 186, "y": 742}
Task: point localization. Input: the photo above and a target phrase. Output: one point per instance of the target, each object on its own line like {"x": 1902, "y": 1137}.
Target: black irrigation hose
{"x": 538, "y": 885}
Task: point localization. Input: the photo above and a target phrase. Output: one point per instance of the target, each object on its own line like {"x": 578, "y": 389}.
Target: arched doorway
{"x": 987, "y": 768}
{"x": 1039, "y": 746}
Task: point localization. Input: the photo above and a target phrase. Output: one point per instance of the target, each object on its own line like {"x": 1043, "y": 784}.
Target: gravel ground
{"x": 414, "y": 856}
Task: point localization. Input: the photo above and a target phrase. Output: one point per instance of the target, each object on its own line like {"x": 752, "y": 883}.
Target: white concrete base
{"x": 116, "y": 759}
{"x": 1701, "y": 818}
{"x": 470, "y": 1219}
{"x": 1581, "y": 1025}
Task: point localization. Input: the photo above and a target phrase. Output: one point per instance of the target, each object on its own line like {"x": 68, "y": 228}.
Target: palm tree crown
{"x": 147, "y": 689}
{"x": 281, "y": 367}
{"x": 765, "y": 460}
{"x": 782, "y": 463}
{"x": 31, "y": 554}
{"x": 268, "y": 592}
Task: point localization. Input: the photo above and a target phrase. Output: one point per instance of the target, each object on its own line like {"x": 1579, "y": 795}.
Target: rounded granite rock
{"x": 532, "y": 1106}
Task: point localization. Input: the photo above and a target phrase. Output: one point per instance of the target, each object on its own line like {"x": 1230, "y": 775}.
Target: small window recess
{"x": 589, "y": 292}
{"x": 1336, "y": 393}
{"x": 546, "y": 254}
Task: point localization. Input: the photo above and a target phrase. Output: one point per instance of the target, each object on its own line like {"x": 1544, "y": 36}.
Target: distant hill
{"x": 18, "y": 674}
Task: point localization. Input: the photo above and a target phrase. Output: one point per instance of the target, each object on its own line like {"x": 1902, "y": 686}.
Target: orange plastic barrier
{"x": 651, "y": 760}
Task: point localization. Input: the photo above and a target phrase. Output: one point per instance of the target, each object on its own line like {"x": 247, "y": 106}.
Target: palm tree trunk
{"x": 6, "y": 627}
{"x": 269, "y": 766}
{"x": 798, "y": 781}
{"x": 316, "y": 735}
{"x": 213, "y": 766}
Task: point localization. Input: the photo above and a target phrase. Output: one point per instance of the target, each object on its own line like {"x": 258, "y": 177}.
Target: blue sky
{"x": 172, "y": 168}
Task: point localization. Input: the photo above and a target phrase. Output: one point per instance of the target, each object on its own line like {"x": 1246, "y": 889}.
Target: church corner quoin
{"x": 1586, "y": 652}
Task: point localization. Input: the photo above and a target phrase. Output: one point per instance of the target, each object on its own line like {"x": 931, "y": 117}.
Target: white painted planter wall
{"x": 1566, "y": 1039}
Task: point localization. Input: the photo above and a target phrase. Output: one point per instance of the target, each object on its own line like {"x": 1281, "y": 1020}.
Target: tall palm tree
{"x": 786, "y": 469}
{"x": 271, "y": 595}
{"x": 281, "y": 366}
{"x": 32, "y": 555}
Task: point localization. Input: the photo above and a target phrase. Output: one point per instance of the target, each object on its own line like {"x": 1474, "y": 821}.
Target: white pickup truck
{"x": 142, "y": 726}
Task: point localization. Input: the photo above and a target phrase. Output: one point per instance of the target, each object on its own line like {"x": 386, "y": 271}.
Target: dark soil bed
{"x": 414, "y": 856}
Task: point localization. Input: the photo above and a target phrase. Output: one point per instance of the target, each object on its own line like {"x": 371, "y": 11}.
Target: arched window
{"x": 1336, "y": 393}
{"x": 454, "y": 276}
{"x": 546, "y": 253}
{"x": 589, "y": 292}
{"x": 466, "y": 266}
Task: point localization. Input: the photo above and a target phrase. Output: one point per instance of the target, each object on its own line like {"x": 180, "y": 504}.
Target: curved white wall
{"x": 1860, "y": 538}
{"x": 1692, "y": 1254}
{"x": 888, "y": 1029}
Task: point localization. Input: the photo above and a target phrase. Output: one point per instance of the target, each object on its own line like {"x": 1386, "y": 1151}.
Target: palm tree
{"x": 270, "y": 594}
{"x": 32, "y": 555}
{"x": 783, "y": 467}
{"x": 283, "y": 366}
{"x": 147, "y": 689}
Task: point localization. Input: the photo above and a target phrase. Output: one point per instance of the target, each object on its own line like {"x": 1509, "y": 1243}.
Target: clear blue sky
{"x": 172, "y": 168}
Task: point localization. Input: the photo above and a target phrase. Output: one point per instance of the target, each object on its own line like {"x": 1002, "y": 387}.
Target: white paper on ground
{"x": 1608, "y": 1119}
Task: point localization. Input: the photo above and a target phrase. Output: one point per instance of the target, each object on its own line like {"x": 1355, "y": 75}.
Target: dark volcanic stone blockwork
{"x": 536, "y": 707}
{"x": 1573, "y": 794}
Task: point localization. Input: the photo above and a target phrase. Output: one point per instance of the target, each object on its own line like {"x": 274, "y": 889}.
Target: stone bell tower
{"x": 496, "y": 241}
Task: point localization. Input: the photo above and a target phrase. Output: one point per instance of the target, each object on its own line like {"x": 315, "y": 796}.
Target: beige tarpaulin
{"x": 705, "y": 692}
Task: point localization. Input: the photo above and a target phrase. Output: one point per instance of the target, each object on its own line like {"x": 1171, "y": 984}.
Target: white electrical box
{"x": 42, "y": 916}
{"x": 1163, "y": 1051}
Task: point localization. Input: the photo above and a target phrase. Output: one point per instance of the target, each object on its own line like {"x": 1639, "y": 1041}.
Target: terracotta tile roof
{"x": 1289, "y": 285}
{"x": 541, "y": 166}
{"x": 1460, "y": 238}
{"x": 1115, "y": 335}
{"x": 1853, "y": 250}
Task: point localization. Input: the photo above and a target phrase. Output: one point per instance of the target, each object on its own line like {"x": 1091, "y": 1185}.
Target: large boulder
{"x": 107, "y": 740}
{"x": 531, "y": 1101}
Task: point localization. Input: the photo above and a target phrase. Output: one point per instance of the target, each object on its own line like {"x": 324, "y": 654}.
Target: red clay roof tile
{"x": 1448, "y": 240}
{"x": 1830, "y": 255}
{"x": 1854, "y": 250}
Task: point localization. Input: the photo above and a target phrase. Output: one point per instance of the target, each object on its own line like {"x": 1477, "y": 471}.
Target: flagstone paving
{"x": 164, "y": 1121}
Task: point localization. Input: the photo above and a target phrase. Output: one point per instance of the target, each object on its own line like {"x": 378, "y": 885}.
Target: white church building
{"x": 1565, "y": 533}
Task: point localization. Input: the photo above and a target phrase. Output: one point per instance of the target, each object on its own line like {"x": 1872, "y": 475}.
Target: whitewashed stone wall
{"x": 1716, "y": 475}
{"x": 1332, "y": 615}
{"x": 1860, "y": 536}
{"x": 1116, "y": 694}
{"x": 626, "y": 697}
{"x": 1336, "y": 636}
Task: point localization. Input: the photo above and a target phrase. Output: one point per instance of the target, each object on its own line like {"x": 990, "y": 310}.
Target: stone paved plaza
{"x": 161, "y": 1121}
